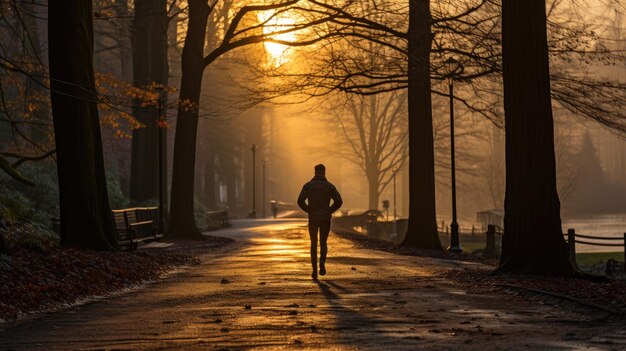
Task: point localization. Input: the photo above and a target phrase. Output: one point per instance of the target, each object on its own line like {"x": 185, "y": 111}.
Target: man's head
{"x": 320, "y": 169}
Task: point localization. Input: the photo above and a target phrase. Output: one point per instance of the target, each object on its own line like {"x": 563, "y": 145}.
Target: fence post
{"x": 490, "y": 248}
{"x": 571, "y": 241}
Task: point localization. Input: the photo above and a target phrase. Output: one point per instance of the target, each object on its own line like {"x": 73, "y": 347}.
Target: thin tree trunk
{"x": 372, "y": 183}
{"x": 182, "y": 222}
{"x": 372, "y": 161}
{"x": 232, "y": 175}
{"x": 32, "y": 46}
{"x": 126, "y": 49}
{"x": 124, "y": 40}
{"x": 149, "y": 41}
{"x": 208, "y": 180}
{"x": 533, "y": 241}
{"x": 86, "y": 220}
{"x": 422, "y": 227}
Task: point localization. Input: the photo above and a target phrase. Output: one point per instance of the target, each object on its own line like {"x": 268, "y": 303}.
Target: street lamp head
{"x": 452, "y": 66}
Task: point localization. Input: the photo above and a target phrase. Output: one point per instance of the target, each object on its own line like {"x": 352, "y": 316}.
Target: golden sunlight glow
{"x": 277, "y": 23}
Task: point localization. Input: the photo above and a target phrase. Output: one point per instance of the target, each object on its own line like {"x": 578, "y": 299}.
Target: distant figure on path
{"x": 274, "y": 205}
{"x": 315, "y": 199}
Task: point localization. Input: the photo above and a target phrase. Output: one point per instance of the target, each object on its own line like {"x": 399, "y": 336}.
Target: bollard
{"x": 490, "y": 248}
{"x": 571, "y": 241}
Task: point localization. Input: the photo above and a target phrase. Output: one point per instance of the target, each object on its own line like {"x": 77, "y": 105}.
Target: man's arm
{"x": 304, "y": 194}
{"x": 337, "y": 201}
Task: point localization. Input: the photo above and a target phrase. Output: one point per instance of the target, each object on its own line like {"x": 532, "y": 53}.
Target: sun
{"x": 276, "y": 23}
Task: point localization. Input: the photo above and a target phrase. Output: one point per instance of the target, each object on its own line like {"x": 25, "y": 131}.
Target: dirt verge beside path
{"x": 481, "y": 280}
{"x": 41, "y": 280}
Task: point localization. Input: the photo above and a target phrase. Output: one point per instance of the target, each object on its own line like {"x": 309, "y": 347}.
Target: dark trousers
{"x": 323, "y": 226}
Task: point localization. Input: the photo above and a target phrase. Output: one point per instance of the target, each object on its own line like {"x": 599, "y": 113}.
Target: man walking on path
{"x": 319, "y": 191}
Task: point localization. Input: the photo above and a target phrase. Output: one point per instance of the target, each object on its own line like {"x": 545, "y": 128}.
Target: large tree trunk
{"x": 533, "y": 241}
{"x": 182, "y": 223}
{"x": 86, "y": 220}
{"x": 149, "y": 41}
{"x": 422, "y": 227}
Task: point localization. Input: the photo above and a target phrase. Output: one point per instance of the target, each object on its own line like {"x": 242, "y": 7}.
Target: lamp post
{"x": 161, "y": 128}
{"x": 453, "y": 66}
{"x": 253, "y": 213}
{"x": 263, "y": 198}
{"x": 395, "y": 214}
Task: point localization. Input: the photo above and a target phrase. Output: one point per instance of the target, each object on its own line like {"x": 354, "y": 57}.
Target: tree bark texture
{"x": 533, "y": 241}
{"x": 149, "y": 41}
{"x": 422, "y": 226}
{"x": 86, "y": 220}
{"x": 182, "y": 223}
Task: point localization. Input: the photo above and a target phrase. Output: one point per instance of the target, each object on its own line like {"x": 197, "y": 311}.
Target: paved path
{"x": 257, "y": 293}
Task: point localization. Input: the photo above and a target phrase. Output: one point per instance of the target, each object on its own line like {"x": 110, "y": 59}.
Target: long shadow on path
{"x": 354, "y": 327}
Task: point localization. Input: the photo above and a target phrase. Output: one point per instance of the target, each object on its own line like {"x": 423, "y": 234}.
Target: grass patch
{"x": 470, "y": 246}
{"x": 589, "y": 258}
{"x": 468, "y": 243}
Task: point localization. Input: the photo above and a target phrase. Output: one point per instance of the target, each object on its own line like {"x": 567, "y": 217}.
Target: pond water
{"x": 613, "y": 225}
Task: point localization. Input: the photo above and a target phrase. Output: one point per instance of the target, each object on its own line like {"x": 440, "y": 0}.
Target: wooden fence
{"x": 572, "y": 240}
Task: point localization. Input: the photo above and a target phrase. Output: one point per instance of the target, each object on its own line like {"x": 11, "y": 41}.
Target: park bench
{"x": 150, "y": 214}
{"x": 355, "y": 223}
{"x": 218, "y": 218}
{"x": 136, "y": 225}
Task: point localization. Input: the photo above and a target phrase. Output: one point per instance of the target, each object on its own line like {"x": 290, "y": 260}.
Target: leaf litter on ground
{"x": 40, "y": 280}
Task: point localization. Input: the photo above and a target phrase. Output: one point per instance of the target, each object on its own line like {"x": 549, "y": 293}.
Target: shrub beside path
{"x": 257, "y": 293}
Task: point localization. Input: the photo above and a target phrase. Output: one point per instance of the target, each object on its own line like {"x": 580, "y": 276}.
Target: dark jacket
{"x": 319, "y": 192}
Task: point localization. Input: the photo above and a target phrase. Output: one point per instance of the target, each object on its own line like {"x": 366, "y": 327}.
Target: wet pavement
{"x": 257, "y": 293}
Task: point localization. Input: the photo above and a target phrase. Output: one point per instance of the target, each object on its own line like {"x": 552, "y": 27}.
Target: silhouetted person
{"x": 315, "y": 199}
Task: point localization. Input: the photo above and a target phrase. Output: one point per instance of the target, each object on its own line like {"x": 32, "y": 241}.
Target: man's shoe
{"x": 314, "y": 275}
{"x": 322, "y": 269}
